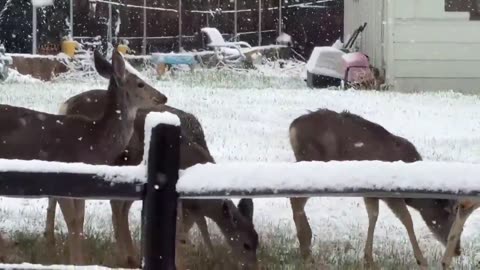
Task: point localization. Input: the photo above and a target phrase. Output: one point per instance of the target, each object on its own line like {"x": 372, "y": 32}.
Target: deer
{"x": 28, "y": 134}
{"x": 325, "y": 135}
{"x": 235, "y": 222}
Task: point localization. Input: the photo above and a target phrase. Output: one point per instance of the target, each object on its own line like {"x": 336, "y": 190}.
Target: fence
{"x": 169, "y": 24}
{"x": 425, "y": 179}
{"x": 166, "y": 183}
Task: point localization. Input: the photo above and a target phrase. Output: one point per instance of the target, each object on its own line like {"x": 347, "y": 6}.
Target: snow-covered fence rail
{"x": 425, "y": 179}
{"x": 24, "y": 178}
{"x": 154, "y": 184}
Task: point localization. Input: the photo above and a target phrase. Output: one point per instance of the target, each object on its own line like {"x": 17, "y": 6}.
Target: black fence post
{"x": 160, "y": 203}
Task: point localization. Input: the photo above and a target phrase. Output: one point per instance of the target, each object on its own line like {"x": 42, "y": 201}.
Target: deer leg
{"x": 74, "y": 236}
{"x": 399, "y": 207}
{"x": 372, "y": 206}
{"x": 463, "y": 212}
{"x": 116, "y": 207}
{"x": 49, "y": 233}
{"x": 181, "y": 245}
{"x": 125, "y": 246}
{"x": 3, "y": 249}
{"x": 202, "y": 226}
{"x": 304, "y": 232}
{"x": 188, "y": 220}
{"x": 79, "y": 216}
{"x": 132, "y": 258}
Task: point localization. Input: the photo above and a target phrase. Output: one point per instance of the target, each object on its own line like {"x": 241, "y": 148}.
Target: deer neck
{"x": 116, "y": 124}
{"x": 213, "y": 209}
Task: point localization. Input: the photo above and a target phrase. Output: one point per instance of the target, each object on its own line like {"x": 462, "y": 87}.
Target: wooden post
{"x": 160, "y": 203}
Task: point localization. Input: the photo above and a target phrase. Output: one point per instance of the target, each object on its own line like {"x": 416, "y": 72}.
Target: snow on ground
{"x": 251, "y": 124}
{"x": 15, "y": 77}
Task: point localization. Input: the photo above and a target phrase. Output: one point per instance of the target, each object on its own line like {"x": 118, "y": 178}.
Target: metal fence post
{"x": 34, "y": 29}
{"x": 160, "y": 203}
{"x": 259, "y": 22}
{"x": 180, "y": 33}
{"x": 235, "y": 21}
{"x": 71, "y": 19}
{"x": 109, "y": 30}
{"x": 280, "y": 19}
{"x": 144, "y": 40}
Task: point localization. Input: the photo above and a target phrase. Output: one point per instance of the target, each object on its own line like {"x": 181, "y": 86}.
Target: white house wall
{"x": 420, "y": 45}
{"x": 424, "y": 9}
{"x": 358, "y": 12}
{"x": 433, "y": 49}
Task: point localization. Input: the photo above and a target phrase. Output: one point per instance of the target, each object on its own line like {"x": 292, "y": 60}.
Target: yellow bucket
{"x": 123, "y": 49}
{"x": 68, "y": 47}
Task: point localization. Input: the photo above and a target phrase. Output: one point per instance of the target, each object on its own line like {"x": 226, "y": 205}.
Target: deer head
{"x": 240, "y": 232}
{"x": 138, "y": 92}
{"x": 439, "y": 215}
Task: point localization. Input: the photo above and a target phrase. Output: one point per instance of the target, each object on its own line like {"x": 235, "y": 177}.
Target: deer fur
{"x": 325, "y": 135}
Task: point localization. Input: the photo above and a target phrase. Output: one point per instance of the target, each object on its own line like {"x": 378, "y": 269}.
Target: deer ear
{"x": 245, "y": 206}
{"x": 103, "y": 67}
{"x": 118, "y": 65}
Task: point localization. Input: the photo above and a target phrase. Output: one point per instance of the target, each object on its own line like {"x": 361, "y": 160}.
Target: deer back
{"x": 327, "y": 135}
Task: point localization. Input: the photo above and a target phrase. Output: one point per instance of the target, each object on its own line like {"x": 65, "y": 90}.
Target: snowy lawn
{"x": 246, "y": 119}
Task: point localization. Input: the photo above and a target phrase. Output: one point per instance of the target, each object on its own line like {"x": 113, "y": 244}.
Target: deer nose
{"x": 160, "y": 100}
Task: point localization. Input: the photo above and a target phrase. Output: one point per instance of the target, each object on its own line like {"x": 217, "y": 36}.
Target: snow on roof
{"x": 41, "y": 3}
{"x": 109, "y": 173}
{"x": 59, "y": 56}
{"x": 285, "y": 177}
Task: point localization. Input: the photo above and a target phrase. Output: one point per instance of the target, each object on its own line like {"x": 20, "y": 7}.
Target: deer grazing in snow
{"x": 234, "y": 222}
{"x": 27, "y": 134}
{"x": 325, "y": 135}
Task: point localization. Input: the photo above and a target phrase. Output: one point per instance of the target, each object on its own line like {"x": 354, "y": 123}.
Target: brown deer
{"x": 325, "y": 135}
{"x": 235, "y": 223}
{"x": 27, "y": 134}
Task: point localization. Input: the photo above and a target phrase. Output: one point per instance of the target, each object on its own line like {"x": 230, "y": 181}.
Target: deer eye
{"x": 141, "y": 85}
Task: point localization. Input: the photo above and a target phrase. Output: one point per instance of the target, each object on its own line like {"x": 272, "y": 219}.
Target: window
{"x": 472, "y": 6}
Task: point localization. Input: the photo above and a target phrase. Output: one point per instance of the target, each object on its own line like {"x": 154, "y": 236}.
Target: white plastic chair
{"x": 225, "y": 51}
